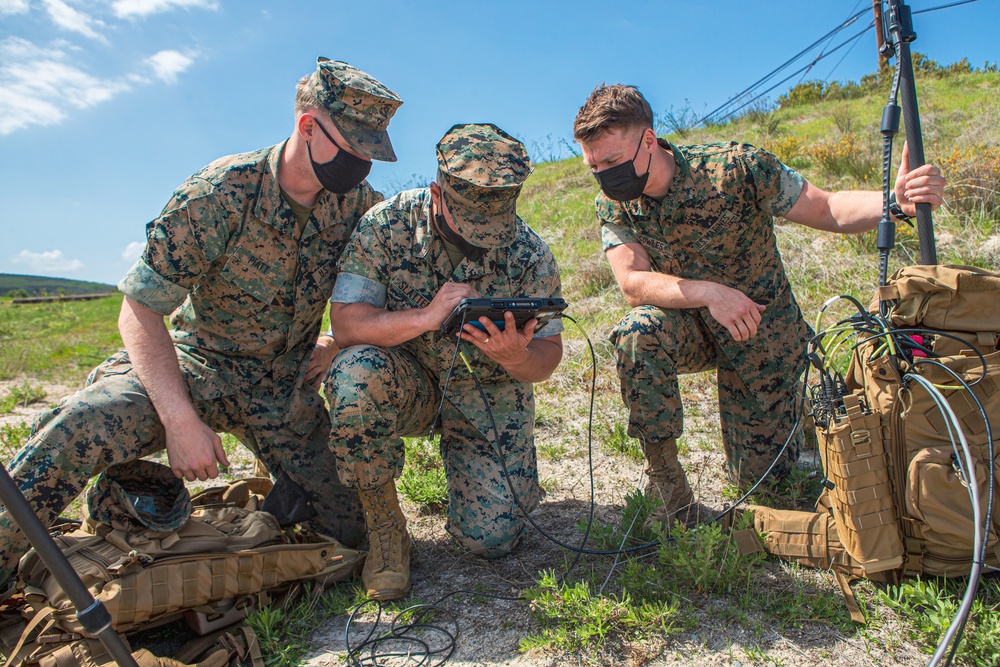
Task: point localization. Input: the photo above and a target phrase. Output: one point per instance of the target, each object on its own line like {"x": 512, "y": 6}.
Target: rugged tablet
{"x": 524, "y": 309}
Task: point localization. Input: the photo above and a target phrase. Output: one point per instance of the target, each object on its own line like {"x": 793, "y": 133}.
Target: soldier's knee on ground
{"x": 488, "y": 544}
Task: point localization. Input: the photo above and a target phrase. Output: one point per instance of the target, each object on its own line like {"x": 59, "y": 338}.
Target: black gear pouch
{"x": 288, "y": 502}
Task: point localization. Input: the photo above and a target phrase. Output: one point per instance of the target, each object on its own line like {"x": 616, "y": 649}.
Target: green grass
{"x": 22, "y": 396}
{"x": 575, "y": 618}
{"x": 931, "y": 606}
{"x": 423, "y": 479}
{"x": 284, "y": 630}
{"x": 12, "y": 438}
{"x": 630, "y": 530}
{"x": 59, "y": 341}
{"x": 614, "y": 438}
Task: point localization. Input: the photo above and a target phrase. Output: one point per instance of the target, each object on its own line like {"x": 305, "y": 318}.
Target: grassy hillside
{"x": 18, "y": 285}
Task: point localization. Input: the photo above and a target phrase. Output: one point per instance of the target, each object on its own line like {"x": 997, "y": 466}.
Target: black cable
{"x": 614, "y": 552}
{"x": 798, "y": 411}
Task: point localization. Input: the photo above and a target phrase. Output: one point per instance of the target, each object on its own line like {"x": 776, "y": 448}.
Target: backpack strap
{"x": 31, "y": 631}
{"x": 850, "y": 601}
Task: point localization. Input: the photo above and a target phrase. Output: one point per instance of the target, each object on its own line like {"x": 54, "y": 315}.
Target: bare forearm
{"x": 650, "y": 288}
{"x": 541, "y": 357}
{"x": 363, "y": 324}
{"x": 155, "y": 361}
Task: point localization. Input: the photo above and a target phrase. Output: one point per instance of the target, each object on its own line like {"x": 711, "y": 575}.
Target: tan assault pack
{"x": 895, "y": 504}
{"x": 223, "y": 561}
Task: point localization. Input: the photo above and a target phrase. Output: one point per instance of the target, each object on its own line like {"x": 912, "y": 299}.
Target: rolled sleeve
{"x": 613, "y": 234}
{"x": 352, "y": 288}
{"x": 151, "y": 290}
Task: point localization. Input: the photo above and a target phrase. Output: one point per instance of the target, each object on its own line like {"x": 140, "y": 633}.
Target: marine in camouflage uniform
{"x": 400, "y": 260}
{"x": 692, "y": 245}
{"x": 244, "y": 271}
{"x": 716, "y": 223}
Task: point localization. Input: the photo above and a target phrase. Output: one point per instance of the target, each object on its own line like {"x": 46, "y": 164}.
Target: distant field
{"x": 43, "y": 286}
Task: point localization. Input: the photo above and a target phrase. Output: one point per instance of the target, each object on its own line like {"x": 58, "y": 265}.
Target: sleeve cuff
{"x": 551, "y": 328}
{"x": 352, "y": 288}
{"x": 151, "y": 290}
{"x": 791, "y": 183}
{"x": 613, "y": 234}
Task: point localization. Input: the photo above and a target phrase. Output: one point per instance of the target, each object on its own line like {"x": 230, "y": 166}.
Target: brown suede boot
{"x": 386, "y": 574}
{"x": 667, "y": 482}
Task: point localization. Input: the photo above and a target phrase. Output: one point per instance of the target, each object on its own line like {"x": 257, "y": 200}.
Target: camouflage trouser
{"x": 112, "y": 420}
{"x": 377, "y": 395}
{"x": 757, "y": 393}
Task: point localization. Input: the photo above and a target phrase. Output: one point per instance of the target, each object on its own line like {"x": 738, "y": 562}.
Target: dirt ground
{"x": 490, "y": 629}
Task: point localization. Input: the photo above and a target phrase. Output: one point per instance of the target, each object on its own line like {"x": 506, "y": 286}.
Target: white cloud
{"x": 39, "y": 86}
{"x": 133, "y": 251}
{"x": 141, "y": 8}
{"x": 168, "y": 64}
{"x": 13, "y": 7}
{"x": 44, "y": 262}
{"x": 73, "y": 20}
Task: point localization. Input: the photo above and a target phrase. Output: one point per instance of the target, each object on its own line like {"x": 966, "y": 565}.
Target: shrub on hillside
{"x": 973, "y": 180}
{"x": 850, "y": 156}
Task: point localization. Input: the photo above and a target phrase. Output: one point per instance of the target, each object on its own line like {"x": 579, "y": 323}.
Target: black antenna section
{"x": 897, "y": 33}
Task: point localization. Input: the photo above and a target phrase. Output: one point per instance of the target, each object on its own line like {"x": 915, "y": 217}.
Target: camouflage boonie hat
{"x": 359, "y": 105}
{"x": 480, "y": 171}
{"x": 137, "y": 495}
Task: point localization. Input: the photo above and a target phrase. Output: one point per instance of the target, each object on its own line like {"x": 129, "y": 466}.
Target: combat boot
{"x": 386, "y": 575}
{"x": 667, "y": 482}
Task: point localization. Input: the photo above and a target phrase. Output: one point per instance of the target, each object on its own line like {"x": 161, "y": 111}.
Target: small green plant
{"x": 284, "y": 629}
{"x": 552, "y": 450}
{"x": 12, "y": 439}
{"x": 931, "y": 605}
{"x": 21, "y": 396}
{"x": 614, "y": 438}
{"x": 423, "y": 480}
{"x": 704, "y": 560}
{"x": 630, "y": 530}
{"x": 574, "y": 617}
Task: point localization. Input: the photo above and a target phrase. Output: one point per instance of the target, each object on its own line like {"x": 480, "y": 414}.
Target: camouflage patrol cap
{"x": 480, "y": 171}
{"x": 359, "y": 105}
{"x": 137, "y": 495}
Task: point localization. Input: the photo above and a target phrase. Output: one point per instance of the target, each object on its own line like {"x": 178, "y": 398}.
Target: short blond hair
{"x": 305, "y": 97}
{"x": 612, "y": 107}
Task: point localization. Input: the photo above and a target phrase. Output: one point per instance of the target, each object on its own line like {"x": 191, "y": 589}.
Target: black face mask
{"x": 473, "y": 253}
{"x": 620, "y": 182}
{"x": 341, "y": 174}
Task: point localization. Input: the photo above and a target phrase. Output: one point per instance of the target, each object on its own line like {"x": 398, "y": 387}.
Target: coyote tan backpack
{"x": 211, "y": 570}
{"x": 894, "y": 495}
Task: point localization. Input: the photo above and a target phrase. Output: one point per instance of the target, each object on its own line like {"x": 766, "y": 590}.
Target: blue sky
{"x": 107, "y": 105}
